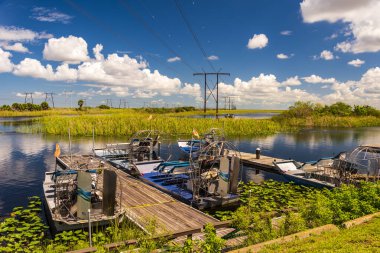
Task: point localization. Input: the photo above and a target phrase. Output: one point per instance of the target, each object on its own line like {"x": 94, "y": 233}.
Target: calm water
{"x": 25, "y": 157}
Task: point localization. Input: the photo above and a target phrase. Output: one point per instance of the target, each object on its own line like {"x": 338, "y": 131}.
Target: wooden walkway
{"x": 264, "y": 162}
{"x": 145, "y": 205}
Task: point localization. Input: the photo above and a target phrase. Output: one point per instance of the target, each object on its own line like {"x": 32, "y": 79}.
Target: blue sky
{"x": 277, "y": 52}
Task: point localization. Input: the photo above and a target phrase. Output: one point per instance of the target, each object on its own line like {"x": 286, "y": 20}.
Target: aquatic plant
{"x": 24, "y": 231}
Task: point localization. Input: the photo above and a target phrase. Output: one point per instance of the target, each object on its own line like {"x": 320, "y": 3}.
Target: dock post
{"x": 258, "y": 151}
{"x": 89, "y": 227}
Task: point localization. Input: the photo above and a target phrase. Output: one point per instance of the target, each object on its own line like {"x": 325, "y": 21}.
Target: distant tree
{"x": 340, "y": 109}
{"x": 80, "y": 103}
{"x": 301, "y": 109}
{"x": 104, "y": 107}
{"x": 365, "y": 110}
{"x": 16, "y": 106}
{"x": 44, "y": 106}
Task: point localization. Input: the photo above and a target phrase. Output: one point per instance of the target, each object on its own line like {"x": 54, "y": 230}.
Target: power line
{"x": 195, "y": 37}
{"x": 110, "y": 30}
{"x": 138, "y": 16}
{"x": 49, "y": 96}
{"x": 28, "y": 96}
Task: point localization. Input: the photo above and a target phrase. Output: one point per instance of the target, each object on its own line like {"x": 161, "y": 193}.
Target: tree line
{"x": 307, "y": 109}
{"x": 20, "y": 107}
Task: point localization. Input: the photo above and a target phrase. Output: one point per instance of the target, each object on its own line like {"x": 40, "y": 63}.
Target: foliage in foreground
{"x": 362, "y": 238}
{"x": 298, "y": 209}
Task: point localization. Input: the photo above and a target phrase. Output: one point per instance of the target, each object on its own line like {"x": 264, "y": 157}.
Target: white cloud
{"x": 356, "y": 63}
{"x": 286, "y": 33}
{"x": 282, "y": 56}
{"x": 364, "y": 91}
{"x": 191, "y": 90}
{"x": 258, "y": 41}
{"x": 213, "y": 58}
{"x": 292, "y": 81}
{"x": 264, "y": 89}
{"x": 174, "y": 59}
{"x": 97, "y": 52}
{"x": 17, "y": 47}
{"x": 34, "y": 68}
{"x": 5, "y": 62}
{"x": 12, "y": 33}
{"x": 50, "y": 15}
{"x": 318, "y": 79}
{"x": 327, "y": 55}
{"x": 362, "y": 19}
{"x": 68, "y": 49}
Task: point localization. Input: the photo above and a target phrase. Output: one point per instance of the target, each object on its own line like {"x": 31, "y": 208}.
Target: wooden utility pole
{"x": 217, "y": 74}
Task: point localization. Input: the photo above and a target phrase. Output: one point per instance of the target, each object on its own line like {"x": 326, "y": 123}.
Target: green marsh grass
{"x": 129, "y": 123}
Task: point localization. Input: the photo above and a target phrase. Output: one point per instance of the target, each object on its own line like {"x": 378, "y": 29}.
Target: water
{"x": 24, "y": 158}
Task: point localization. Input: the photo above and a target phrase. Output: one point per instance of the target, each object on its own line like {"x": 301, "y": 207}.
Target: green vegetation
{"x": 308, "y": 109}
{"x": 25, "y": 107}
{"x": 129, "y": 123}
{"x": 362, "y": 238}
{"x": 275, "y": 209}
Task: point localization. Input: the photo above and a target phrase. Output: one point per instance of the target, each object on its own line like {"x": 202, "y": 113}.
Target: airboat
{"x": 81, "y": 192}
{"x": 206, "y": 181}
{"x": 143, "y": 149}
{"x": 361, "y": 163}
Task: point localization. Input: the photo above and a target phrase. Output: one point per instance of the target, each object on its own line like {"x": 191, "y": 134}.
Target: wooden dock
{"x": 264, "y": 162}
{"x": 145, "y": 205}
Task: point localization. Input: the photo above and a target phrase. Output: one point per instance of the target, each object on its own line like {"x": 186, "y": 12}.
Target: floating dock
{"x": 147, "y": 206}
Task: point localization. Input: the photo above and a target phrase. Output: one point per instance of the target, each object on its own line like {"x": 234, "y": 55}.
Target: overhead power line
{"x": 141, "y": 19}
{"x": 194, "y": 35}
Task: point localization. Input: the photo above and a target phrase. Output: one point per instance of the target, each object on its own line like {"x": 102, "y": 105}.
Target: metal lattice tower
{"x": 49, "y": 97}
{"x": 28, "y": 97}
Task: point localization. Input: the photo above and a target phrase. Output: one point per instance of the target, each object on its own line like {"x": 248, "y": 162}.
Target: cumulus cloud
{"x": 191, "y": 90}
{"x": 68, "y": 49}
{"x": 364, "y": 91}
{"x": 292, "y": 81}
{"x": 34, "y": 68}
{"x": 356, "y": 63}
{"x": 327, "y": 55}
{"x": 362, "y": 18}
{"x": 50, "y": 15}
{"x": 5, "y": 63}
{"x": 286, "y": 33}
{"x": 318, "y": 79}
{"x": 213, "y": 58}
{"x": 17, "y": 47}
{"x": 174, "y": 59}
{"x": 258, "y": 41}
{"x": 12, "y": 33}
{"x": 97, "y": 50}
{"x": 264, "y": 89}
{"x": 282, "y": 56}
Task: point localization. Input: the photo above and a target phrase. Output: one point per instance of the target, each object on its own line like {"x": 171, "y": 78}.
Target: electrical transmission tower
{"x": 210, "y": 91}
{"x": 49, "y": 97}
{"x": 28, "y": 97}
{"x": 229, "y": 102}
{"x": 123, "y": 103}
{"x": 109, "y": 102}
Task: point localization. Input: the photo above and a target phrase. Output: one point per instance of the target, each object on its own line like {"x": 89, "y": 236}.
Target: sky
{"x": 145, "y": 52}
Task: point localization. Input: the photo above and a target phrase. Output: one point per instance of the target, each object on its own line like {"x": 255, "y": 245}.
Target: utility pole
{"x": 205, "y": 74}
{"x": 47, "y": 94}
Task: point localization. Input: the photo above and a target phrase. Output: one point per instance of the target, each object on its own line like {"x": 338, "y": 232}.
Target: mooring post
{"x": 89, "y": 227}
